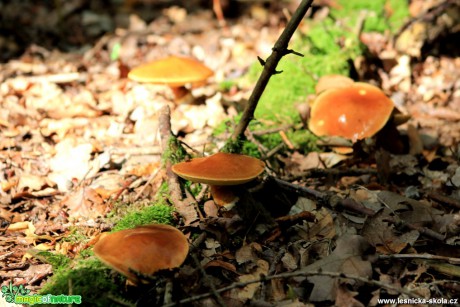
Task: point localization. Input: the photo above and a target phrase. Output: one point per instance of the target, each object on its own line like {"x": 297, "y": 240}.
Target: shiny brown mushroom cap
{"x": 354, "y": 112}
{"x": 220, "y": 169}
{"x": 173, "y": 71}
{"x": 144, "y": 249}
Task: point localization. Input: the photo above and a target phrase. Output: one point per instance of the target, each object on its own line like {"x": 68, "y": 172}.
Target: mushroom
{"x": 174, "y": 71}
{"x": 332, "y": 81}
{"x": 221, "y": 171}
{"x": 354, "y": 112}
{"x": 143, "y": 250}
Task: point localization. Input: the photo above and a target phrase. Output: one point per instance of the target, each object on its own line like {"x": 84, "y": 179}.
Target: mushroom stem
{"x": 224, "y": 196}
{"x": 179, "y": 92}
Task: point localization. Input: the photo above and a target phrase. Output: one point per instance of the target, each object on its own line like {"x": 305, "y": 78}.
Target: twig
{"x": 324, "y": 172}
{"x": 192, "y": 200}
{"x": 185, "y": 208}
{"x": 252, "y": 139}
{"x": 295, "y": 274}
{"x": 421, "y": 256}
{"x": 444, "y": 199}
{"x": 330, "y": 200}
{"x": 273, "y": 151}
{"x": 141, "y": 191}
{"x": 279, "y": 50}
{"x": 300, "y": 190}
{"x": 429, "y": 233}
{"x": 273, "y": 130}
{"x": 209, "y": 282}
{"x": 164, "y": 123}
{"x": 286, "y": 140}
{"x": 353, "y": 205}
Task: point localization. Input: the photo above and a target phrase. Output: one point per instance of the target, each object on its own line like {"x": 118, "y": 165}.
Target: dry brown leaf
{"x": 145, "y": 169}
{"x": 277, "y": 289}
{"x": 210, "y": 208}
{"x": 221, "y": 264}
{"x": 346, "y": 258}
{"x": 108, "y": 184}
{"x": 289, "y": 261}
{"x": 84, "y": 202}
{"x": 323, "y": 228}
{"x": 248, "y": 253}
{"x": 249, "y": 291}
{"x": 346, "y": 298}
{"x": 29, "y": 183}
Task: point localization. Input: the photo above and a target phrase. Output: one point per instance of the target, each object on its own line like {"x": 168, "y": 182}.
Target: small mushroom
{"x": 354, "y": 112}
{"x": 220, "y": 171}
{"x": 143, "y": 250}
{"x": 173, "y": 71}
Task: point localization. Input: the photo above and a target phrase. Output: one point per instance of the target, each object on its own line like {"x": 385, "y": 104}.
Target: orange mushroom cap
{"x": 173, "y": 71}
{"x": 354, "y": 112}
{"x": 220, "y": 169}
{"x": 332, "y": 81}
{"x": 145, "y": 249}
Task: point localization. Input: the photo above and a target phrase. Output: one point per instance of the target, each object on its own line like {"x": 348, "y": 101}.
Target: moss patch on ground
{"x": 86, "y": 277}
{"x": 153, "y": 214}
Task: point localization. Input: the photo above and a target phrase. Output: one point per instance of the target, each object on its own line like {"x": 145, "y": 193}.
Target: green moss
{"x": 175, "y": 153}
{"x": 158, "y": 213}
{"x": 380, "y": 15}
{"x": 250, "y": 149}
{"x": 226, "y": 85}
{"x": 88, "y": 278}
{"x": 58, "y": 261}
{"x": 303, "y": 139}
{"x": 75, "y": 236}
{"x": 232, "y": 146}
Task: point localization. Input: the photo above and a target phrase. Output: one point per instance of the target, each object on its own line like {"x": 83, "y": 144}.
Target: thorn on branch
{"x": 289, "y": 51}
{"x": 262, "y": 62}
{"x": 277, "y": 72}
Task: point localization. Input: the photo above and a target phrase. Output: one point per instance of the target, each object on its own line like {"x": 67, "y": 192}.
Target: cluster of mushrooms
{"x": 337, "y": 111}
{"x": 145, "y": 250}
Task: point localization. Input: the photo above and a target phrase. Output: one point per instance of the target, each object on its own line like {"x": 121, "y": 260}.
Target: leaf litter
{"x": 77, "y": 140}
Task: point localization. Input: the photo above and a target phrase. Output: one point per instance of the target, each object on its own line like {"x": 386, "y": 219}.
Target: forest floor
{"x": 81, "y": 153}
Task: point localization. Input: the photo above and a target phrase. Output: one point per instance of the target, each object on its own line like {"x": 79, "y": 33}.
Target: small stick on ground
{"x": 451, "y": 260}
{"x": 325, "y": 172}
{"x": 185, "y": 208}
{"x": 444, "y": 199}
{"x": 164, "y": 123}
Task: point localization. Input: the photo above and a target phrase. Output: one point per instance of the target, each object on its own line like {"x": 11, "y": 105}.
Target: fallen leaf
{"x": 248, "y": 292}
{"x": 84, "y": 202}
{"x": 346, "y": 258}
{"x": 248, "y": 253}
